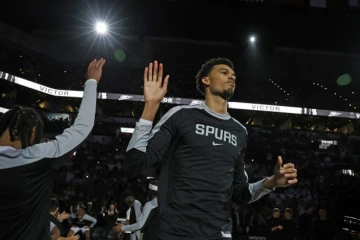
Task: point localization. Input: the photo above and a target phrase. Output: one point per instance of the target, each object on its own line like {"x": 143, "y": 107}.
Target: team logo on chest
{"x": 217, "y": 133}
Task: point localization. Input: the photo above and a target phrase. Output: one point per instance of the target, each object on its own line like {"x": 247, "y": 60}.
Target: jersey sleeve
{"x": 90, "y": 219}
{"x": 128, "y": 214}
{"x": 146, "y": 148}
{"x": 137, "y": 207}
{"x": 72, "y": 137}
{"x": 52, "y": 225}
{"x": 140, "y": 223}
{"x": 244, "y": 192}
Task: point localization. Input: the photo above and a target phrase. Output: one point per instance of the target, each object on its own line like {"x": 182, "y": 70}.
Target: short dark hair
{"x": 206, "y": 69}
{"x": 54, "y": 204}
{"x": 127, "y": 198}
{"x": 21, "y": 122}
{"x": 128, "y": 193}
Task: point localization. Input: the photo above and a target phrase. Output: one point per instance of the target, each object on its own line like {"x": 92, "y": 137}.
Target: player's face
{"x": 287, "y": 214}
{"x": 276, "y": 214}
{"x": 221, "y": 81}
{"x": 322, "y": 213}
{"x": 80, "y": 214}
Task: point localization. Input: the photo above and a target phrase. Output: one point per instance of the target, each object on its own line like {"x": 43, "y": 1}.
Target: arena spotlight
{"x": 101, "y": 27}
{"x": 252, "y": 39}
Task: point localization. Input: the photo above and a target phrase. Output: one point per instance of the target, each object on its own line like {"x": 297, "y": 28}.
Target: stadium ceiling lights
{"x": 252, "y": 39}
{"x": 101, "y": 28}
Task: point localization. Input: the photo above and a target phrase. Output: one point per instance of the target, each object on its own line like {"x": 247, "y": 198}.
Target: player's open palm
{"x": 95, "y": 69}
{"x": 155, "y": 87}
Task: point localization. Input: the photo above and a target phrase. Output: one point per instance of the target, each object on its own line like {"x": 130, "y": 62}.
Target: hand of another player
{"x": 285, "y": 175}
{"x": 62, "y": 216}
{"x": 117, "y": 228}
{"x": 154, "y": 86}
{"x": 73, "y": 237}
{"x": 94, "y": 70}
{"x": 280, "y": 227}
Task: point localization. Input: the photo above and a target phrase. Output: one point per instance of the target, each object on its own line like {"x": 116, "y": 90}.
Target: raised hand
{"x": 286, "y": 174}
{"x": 62, "y": 216}
{"x": 154, "y": 86}
{"x": 94, "y": 70}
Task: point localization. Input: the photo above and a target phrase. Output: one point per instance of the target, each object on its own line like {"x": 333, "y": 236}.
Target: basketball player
{"x": 201, "y": 149}
{"x": 148, "y": 221}
{"x": 28, "y": 168}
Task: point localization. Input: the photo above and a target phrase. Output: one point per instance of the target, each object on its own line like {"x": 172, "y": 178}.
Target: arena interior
{"x": 298, "y": 86}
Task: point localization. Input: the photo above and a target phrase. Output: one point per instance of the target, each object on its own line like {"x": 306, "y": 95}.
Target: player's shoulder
{"x": 151, "y": 204}
{"x": 137, "y": 204}
{"x": 189, "y": 107}
{"x": 184, "y": 108}
{"x": 148, "y": 204}
{"x": 239, "y": 124}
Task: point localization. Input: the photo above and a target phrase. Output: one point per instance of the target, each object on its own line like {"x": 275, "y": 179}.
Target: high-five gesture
{"x": 154, "y": 86}
{"x": 154, "y": 89}
{"x": 95, "y": 69}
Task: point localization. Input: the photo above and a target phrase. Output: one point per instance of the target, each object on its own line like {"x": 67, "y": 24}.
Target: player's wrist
{"x": 270, "y": 183}
{"x": 152, "y": 104}
{"x": 149, "y": 111}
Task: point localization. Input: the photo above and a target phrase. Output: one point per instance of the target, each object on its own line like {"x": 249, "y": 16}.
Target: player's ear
{"x": 205, "y": 81}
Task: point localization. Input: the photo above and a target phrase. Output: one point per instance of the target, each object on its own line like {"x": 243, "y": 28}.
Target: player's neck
{"x": 216, "y": 104}
{"x": 5, "y": 141}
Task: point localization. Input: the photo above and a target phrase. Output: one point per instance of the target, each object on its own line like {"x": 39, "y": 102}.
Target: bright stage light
{"x": 101, "y": 28}
{"x": 252, "y": 39}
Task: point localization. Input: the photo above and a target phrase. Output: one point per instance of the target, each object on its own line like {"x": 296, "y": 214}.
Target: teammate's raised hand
{"x": 94, "y": 70}
{"x": 155, "y": 87}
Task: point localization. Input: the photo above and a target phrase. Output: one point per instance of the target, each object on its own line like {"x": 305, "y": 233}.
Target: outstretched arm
{"x": 90, "y": 219}
{"x": 77, "y": 133}
{"x": 244, "y": 192}
{"x": 141, "y": 222}
{"x": 147, "y": 147}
